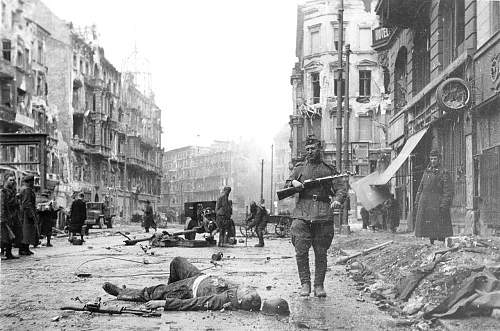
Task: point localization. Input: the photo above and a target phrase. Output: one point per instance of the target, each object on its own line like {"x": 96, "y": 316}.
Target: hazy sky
{"x": 221, "y": 68}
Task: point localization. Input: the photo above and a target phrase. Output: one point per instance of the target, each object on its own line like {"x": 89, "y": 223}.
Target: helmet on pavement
{"x": 276, "y": 306}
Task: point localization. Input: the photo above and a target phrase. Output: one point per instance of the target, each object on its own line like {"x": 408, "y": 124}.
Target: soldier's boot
{"x": 305, "y": 290}
{"x": 8, "y": 253}
{"x": 319, "y": 275}
{"x": 261, "y": 240}
{"x": 221, "y": 239}
{"x": 126, "y": 294}
{"x": 319, "y": 291}
{"x": 304, "y": 275}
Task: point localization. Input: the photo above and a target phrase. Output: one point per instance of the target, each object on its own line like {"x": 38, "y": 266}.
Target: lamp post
{"x": 346, "y": 111}
{"x": 338, "y": 157}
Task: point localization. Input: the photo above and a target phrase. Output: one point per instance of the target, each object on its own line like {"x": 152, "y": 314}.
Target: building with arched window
{"x": 430, "y": 48}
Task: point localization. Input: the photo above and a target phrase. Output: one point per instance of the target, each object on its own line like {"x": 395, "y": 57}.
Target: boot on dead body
{"x": 125, "y": 294}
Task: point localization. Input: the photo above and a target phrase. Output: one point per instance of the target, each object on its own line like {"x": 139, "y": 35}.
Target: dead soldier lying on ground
{"x": 189, "y": 289}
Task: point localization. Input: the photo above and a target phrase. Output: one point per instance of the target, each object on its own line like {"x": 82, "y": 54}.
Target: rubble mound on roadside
{"x": 434, "y": 271}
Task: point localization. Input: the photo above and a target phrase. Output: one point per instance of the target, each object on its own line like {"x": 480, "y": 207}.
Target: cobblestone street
{"x": 34, "y": 288}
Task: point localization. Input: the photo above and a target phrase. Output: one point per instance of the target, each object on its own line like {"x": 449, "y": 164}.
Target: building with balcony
{"x": 103, "y": 130}
{"x": 315, "y": 85}
{"x": 442, "y": 98}
{"x": 24, "y": 89}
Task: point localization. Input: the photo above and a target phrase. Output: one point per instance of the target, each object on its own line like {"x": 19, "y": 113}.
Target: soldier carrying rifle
{"x": 313, "y": 216}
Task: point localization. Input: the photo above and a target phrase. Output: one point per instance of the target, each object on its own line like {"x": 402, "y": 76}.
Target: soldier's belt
{"x": 315, "y": 197}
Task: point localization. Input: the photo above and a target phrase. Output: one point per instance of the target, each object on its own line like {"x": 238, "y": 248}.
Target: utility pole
{"x": 262, "y": 180}
{"x": 271, "y": 200}
{"x": 346, "y": 112}
{"x": 338, "y": 156}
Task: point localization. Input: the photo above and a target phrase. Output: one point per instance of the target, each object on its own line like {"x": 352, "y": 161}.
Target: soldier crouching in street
{"x": 258, "y": 215}
{"x": 313, "y": 215}
{"x": 189, "y": 289}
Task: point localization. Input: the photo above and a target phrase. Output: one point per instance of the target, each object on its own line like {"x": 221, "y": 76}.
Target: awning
{"x": 370, "y": 196}
{"x": 400, "y": 159}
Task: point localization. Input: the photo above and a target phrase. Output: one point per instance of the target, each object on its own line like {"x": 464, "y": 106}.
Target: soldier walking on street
{"x": 434, "y": 196}
{"x": 223, "y": 214}
{"x": 313, "y": 215}
{"x": 148, "y": 217}
{"x": 259, "y": 216}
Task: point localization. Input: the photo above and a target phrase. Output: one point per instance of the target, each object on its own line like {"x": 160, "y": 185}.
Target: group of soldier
{"x": 23, "y": 218}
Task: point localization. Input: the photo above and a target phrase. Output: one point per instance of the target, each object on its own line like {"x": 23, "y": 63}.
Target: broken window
{"x": 365, "y": 81}
{"x": 20, "y": 58}
{"x": 316, "y": 88}
{"x": 6, "y": 49}
{"x": 400, "y": 79}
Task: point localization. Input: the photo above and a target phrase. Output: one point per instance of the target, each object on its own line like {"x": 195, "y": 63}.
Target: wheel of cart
{"x": 283, "y": 226}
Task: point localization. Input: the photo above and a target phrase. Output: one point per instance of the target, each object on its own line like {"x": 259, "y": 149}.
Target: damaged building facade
{"x": 198, "y": 173}
{"x": 439, "y": 54}
{"x": 103, "y": 128}
{"x": 314, "y": 86}
{"x": 24, "y": 106}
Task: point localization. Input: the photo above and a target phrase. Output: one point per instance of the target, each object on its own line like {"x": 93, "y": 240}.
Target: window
{"x": 40, "y": 52}
{"x": 20, "y": 58}
{"x": 27, "y": 58}
{"x": 400, "y": 80}
{"x": 316, "y": 89}
{"x": 336, "y": 38}
{"x": 365, "y": 81}
{"x": 6, "y": 93}
{"x": 453, "y": 28}
{"x": 365, "y": 38}
{"x": 315, "y": 41}
{"x": 495, "y": 17}
{"x": 365, "y": 128}
{"x": 74, "y": 61}
{"x": 6, "y": 48}
{"x": 421, "y": 72}
{"x": 335, "y": 85}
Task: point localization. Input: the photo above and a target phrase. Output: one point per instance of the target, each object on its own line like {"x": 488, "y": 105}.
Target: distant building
{"x": 103, "y": 129}
{"x": 196, "y": 173}
{"x": 315, "y": 87}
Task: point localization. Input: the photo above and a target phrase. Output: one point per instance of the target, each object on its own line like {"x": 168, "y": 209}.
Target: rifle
{"x": 308, "y": 183}
{"x": 95, "y": 307}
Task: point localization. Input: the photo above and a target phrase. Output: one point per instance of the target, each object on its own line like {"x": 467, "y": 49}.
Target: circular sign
{"x": 453, "y": 94}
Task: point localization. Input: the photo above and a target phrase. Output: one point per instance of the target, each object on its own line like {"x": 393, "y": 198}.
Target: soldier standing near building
{"x": 78, "y": 214}
{"x": 434, "y": 196}
{"x": 9, "y": 216}
{"x": 223, "y": 214}
{"x": 313, "y": 216}
{"x": 31, "y": 226}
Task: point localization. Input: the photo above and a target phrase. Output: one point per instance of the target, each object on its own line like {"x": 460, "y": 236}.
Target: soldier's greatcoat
{"x": 434, "y": 198}
{"x": 31, "y": 226}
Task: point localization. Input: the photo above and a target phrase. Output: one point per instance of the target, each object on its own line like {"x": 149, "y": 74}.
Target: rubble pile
{"x": 410, "y": 278}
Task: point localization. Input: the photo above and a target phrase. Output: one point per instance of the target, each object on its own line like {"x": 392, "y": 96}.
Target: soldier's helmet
{"x": 312, "y": 140}
{"x": 28, "y": 178}
{"x": 275, "y": 306}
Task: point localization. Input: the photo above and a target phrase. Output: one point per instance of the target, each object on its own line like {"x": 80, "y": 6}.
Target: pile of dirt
{"x": 436, "y": 271}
